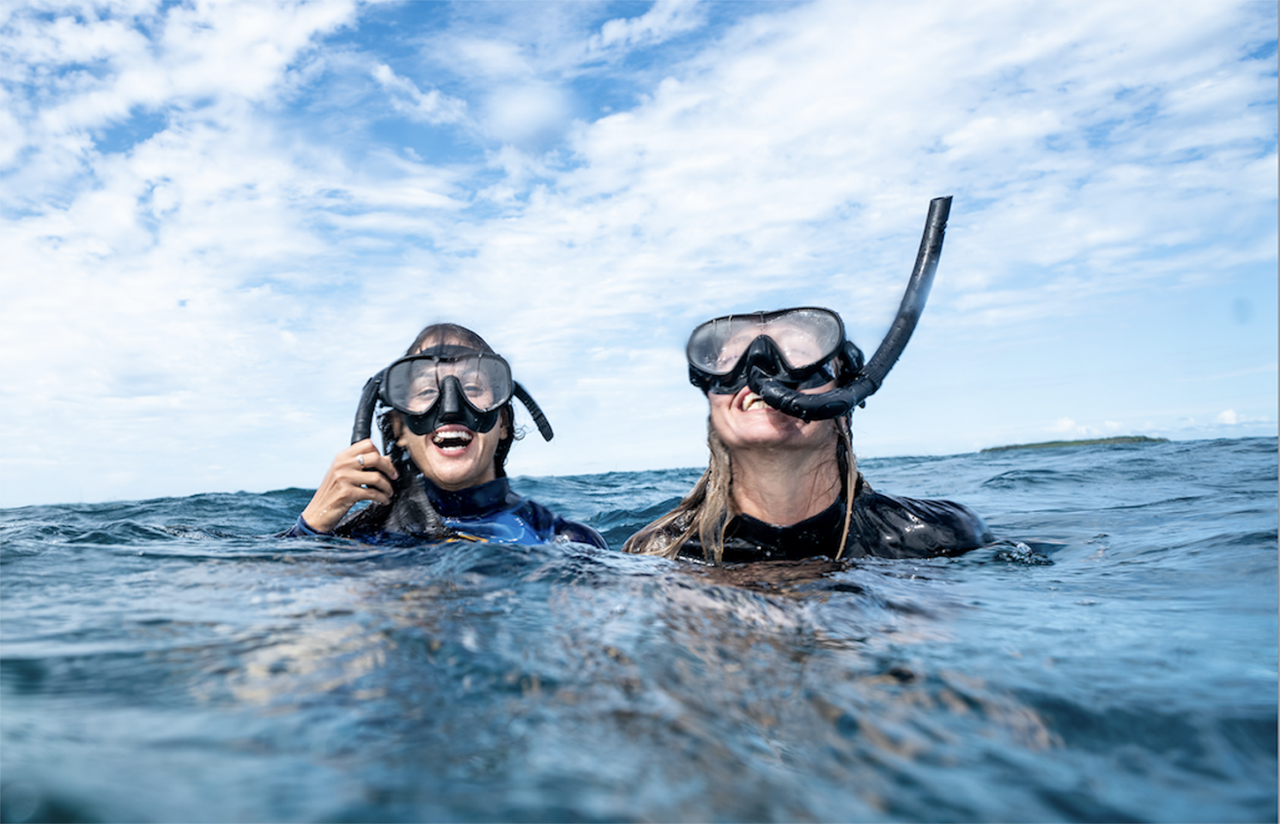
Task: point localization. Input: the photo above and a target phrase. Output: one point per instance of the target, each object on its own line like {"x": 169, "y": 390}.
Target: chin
{"x": 458, "y": 476}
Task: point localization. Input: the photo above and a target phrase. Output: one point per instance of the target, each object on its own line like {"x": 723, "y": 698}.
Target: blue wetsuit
{"x": 489, "y": 512}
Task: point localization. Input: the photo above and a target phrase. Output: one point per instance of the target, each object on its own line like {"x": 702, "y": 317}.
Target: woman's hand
{"x": 359, "y": 473}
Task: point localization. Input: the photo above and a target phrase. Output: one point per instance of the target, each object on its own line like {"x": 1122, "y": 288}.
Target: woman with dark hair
{"x": 447, "y": 434}
{"x": 783, "y": 484}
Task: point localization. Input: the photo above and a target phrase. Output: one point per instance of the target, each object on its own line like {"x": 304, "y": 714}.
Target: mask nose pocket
{"x": 451, "y": 410}
{"x": 763, "y": 355}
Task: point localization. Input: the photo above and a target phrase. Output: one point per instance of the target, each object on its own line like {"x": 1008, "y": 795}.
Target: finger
{"x": 369, "y": 458}
{"x": 374, "y": 480}
{"x": 360, "y": 446}
{"x": 374, "y": 494}
{"x": 381, "y": 463}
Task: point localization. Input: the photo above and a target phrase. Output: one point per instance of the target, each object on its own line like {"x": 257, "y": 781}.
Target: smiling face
{"x": 452, "y": 456}
{"x": 745, "y": 422}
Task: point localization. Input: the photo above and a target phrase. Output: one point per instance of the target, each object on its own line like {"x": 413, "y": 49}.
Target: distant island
{"x": 1090, "y": 442}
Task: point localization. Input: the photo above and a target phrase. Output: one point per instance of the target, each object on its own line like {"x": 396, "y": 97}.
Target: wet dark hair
{"x": 434, "y": 335}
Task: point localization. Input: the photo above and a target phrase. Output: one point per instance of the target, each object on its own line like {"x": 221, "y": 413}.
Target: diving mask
{"x": 802, "y": 348}
{"x": 448, "y": 384}
{"x": 442, "y": 385}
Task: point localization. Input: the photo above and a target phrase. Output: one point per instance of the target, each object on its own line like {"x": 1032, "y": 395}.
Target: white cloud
{"x": 1063, "y": 425}
{"x": 519, "y": 113}
{"x": 406, "y": 97}
{"x": 1227, "y": 416}
{"x": 490, "y": 58}
{"x": 663, "y": 19}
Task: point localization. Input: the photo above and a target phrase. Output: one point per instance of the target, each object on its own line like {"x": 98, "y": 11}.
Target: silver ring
{"x": 360, "y": 460}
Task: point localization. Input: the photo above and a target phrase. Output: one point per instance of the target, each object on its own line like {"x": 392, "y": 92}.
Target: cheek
{"x": 718, "y": 419}
{"x": 719, "y": 406}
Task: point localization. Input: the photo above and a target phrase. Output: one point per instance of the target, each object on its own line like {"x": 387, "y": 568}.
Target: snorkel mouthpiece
{"x": 865, "y": 382}
{"x": 788, "y": 401}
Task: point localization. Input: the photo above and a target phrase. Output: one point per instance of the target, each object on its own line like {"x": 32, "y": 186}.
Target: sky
{"x": 217, "y": 220}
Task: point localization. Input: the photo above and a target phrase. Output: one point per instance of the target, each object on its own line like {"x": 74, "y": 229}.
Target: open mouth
{"x": 452, "y": 440}
{"x": 751, "y": 401}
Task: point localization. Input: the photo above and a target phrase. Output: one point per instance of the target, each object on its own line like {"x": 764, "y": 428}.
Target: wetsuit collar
{"x": 751, "y": 539}
{"x": 472, "y": 502}
{"x": 812, "y": 536}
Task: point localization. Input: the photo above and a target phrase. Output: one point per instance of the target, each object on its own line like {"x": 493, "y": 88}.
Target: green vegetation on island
{"x": 1089, "y": 442}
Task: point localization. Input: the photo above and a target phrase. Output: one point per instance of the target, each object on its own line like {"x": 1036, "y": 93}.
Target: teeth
{"x": 753, "y": 401}
{"x": 445, "y": 440}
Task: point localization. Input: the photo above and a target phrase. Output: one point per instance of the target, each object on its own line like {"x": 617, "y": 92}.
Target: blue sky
{"x": 218, "y": 219}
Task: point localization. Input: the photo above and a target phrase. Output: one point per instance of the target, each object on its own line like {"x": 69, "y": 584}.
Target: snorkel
{"x": 865, "y": 382}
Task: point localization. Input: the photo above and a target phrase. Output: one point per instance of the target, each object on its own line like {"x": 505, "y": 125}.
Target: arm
{"x": 891, "y": 527}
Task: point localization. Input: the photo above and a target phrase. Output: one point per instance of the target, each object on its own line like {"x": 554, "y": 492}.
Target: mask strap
{"x": 535, "y": 412}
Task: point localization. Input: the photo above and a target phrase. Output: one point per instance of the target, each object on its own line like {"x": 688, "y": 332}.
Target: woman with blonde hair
{"x": 783, "y": 481}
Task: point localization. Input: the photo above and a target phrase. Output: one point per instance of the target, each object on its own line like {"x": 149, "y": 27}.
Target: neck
{"x": 784, "y": 487}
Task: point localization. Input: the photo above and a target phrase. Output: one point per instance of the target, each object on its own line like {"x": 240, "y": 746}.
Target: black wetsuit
{"x": 884, "y": 526}
{"x": 488, "y": 512}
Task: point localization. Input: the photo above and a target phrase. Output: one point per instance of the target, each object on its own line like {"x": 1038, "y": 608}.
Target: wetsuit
{"x": 884, "y": 526}
{"x": 488, "y": 512}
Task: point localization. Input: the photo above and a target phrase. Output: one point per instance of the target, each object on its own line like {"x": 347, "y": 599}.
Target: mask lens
{"x": 804, "y": 337}
{"x": 413, "y": 383}
{"x": 716, "y": 346}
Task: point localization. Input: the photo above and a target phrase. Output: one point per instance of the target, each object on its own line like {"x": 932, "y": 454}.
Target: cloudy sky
{"x": 218, "y": 219}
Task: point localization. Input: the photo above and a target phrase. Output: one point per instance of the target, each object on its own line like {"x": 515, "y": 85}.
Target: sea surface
{"x": 1113, "y": 658}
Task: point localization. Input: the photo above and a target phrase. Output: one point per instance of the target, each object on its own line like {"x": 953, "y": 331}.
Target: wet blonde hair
{"x": 706, "y": 511}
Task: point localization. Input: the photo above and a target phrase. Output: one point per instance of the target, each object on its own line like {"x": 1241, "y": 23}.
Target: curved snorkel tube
{"x": 364, "y": 413}
{"x": 363, "y": 426}
{"x": 841, "y": 400}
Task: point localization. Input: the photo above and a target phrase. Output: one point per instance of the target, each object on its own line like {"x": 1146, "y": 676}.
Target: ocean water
{"x": 1114, "y": 658}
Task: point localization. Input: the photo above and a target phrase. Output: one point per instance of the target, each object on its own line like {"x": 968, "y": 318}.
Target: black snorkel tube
{"x": 363, "y": 427}
{"x": 842, "y": 400}
{"x": 372, "y": 392}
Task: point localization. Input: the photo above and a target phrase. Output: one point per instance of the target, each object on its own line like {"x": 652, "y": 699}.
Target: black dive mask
{"x": 779, "y": 354}
{"x": 445, "y": 384}
{"x": 798, "y": 348}
{"x": 448, "y": 385}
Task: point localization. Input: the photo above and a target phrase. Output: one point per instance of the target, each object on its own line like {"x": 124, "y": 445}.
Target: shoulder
{"x": 896, "y": 527}
{"x": 551, "y": 526}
